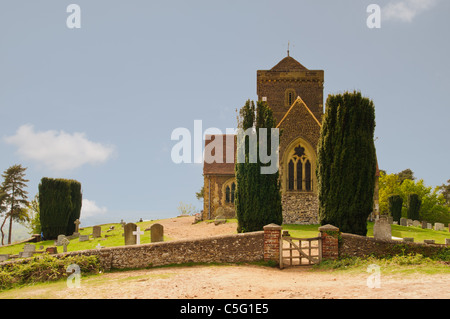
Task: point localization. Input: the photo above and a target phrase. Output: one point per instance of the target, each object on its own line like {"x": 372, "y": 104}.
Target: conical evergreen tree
{"x": 347, "y": 162}
{"x": 258, "y": 197}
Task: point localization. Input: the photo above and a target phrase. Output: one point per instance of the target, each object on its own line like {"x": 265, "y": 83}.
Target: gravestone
{"x": 157, "y": 233}
{"x": 447, "y": 241}
{"x": 382, "y": 229}
{"x": 65, "y": 243}
{"x": 130, "y": 239}
{"x": 428, "y": 241}
{"x": 409, "y": 222}
{"x": 4, "y": 257}
{"x": 59, "y": 240}
{"x": 390, "y": 220}
{"x": 438, "y": 226}
{"x": 424, "y": 224}
{"x": 83, "y": 238}
{"x": 138, "y": 234}
{"x": 29, "y": 248}
{"x": 77, "y": 227}
{"x": 416, "y": 223}
{"x": 51, "y": 250}
{"x": 96, "y": 231}
{"x": 408, "y": 239}
{"x": 429, "y": 226}
{"x": 402, "y": 221}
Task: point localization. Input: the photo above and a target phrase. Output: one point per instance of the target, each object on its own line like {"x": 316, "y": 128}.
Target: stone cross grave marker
{"x": 130, "y": 238}
{"x": 156, "y": 233}
{"x": 65, "y": 242}
{"x": 77, "y": 227}
{"x": 138, "y": 234}
{"x": 96, "y": 231}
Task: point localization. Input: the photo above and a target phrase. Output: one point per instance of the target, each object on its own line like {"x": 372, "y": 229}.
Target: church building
{"x": 295, "y": 95}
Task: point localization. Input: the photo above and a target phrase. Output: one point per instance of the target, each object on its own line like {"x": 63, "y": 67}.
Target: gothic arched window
{"x": 229, "y": 191}
{"x": 299, "y": 171}
{"x": 227, "y": 194}
{"x": 233, "y": 190}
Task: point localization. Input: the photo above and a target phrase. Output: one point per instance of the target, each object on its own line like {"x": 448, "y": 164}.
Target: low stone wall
{"x": 361, "y": 246}
{"x": 244, "y": 247}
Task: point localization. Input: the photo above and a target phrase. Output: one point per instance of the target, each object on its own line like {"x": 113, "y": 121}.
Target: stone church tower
{"x": 295, "y": 95}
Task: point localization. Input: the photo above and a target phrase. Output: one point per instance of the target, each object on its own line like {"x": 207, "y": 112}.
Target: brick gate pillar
{"x": 272, "y": 239}
{"x": 330, "y": 241}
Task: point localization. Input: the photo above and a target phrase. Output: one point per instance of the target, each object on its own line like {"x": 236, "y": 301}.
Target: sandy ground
{"x": 243, "y": 281}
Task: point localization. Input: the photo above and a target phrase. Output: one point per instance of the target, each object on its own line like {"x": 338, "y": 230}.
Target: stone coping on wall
{"x": 222, "y": 248}
{"x": 362, "y": 246}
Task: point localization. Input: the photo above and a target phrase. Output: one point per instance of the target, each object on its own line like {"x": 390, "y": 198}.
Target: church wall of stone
{"x": 219, "y": 208}
{"x": 300, "y": 208}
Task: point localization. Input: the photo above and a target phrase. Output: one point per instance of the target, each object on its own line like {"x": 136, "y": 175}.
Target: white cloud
{"x": 406, "y": 10}
{"x": 89, "y": 208}
{"x": 59, "y": 151}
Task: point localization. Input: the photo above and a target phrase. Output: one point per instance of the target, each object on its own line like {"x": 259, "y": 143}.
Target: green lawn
{"x": 109, "y": 239}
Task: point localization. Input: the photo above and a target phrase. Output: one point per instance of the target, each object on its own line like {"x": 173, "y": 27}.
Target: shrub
{"x": 395, "y": 207}
{"x": 413, "y": 206}
{"x": 59, "y": 206}
{"x": 45, "y": 268}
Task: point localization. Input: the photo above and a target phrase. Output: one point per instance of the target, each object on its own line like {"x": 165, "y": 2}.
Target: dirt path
{"x": 183, "y": 228}
{"x": 242, "y": 282}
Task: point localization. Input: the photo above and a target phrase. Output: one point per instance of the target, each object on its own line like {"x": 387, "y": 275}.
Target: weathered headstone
{"x": 77, "y": 227}
{"x": 96, "y": 231}
{"x": 447, "y": 241}
{"x": 29, "y": 248}
{"x": 51, "y": 250}
{"x": 138, "y": 234}
{"x": 428, "y": 241}
{"x": 408, "y": 239}
{"x": 59, "y": 240}
{"x": 438, "y": 226}
{"x": 409, "y": 222}
{"x": 390, "y": 220}
{"x": 65, "y": 243}
{"x": 83, "y": 238}
{"x": 130, "y": 239}
{"x": 416, "y": 223}
{"x": 157, "y": 233}
{"x": 424, "y": 224}
{"x": 382, "y": 229}
{"x": 429, "y": 226}
{"x": 4, "y": 257}
{"x": 403, "y": 221}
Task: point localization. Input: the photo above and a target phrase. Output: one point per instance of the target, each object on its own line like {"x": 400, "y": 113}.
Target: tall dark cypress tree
{"x": 258, "y": 197}
{"x": 347, "y": 162}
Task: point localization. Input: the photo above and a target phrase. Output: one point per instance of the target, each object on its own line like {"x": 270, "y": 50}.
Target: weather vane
{"x": 288, "y": 49}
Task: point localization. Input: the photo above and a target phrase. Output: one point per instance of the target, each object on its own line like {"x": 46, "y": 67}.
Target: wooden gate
{"x": 300, "y": 251}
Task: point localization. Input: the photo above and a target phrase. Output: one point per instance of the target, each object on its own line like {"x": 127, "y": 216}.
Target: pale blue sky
{"x": 136, "y": 70}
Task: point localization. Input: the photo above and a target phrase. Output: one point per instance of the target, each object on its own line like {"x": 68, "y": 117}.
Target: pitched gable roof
{"x": 300, "y": 103}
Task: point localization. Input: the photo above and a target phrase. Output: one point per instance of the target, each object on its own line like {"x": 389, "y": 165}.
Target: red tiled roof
{"x": 216, "y": 168}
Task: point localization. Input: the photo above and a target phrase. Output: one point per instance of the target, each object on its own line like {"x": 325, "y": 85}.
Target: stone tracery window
{"x": 230, "y": 191}
{"x": 299, "y": 171}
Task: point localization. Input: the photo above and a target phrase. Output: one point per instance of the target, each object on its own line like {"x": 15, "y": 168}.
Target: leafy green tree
{"x": 15, "y": 198}
{"x": 347, "y": 162}
{"x": 257, "y": 197}
{"x": 444, "y": 189}
{"x": 406, "y": 174}
{"x": 33, "y": 211}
